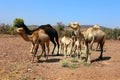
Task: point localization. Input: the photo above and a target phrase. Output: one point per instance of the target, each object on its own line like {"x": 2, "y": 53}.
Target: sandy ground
{"x": 15, "y": 63}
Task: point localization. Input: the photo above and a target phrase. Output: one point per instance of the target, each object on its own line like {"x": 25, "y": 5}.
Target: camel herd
{"x": 66, "y": 45}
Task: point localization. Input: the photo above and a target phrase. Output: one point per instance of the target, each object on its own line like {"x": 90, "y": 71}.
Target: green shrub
{"x": 69, "y": 65}
{"x": 65, "y": 64}
{"x": 73, "y": 66}
{"x": 85, "y": 64}
{"x": 17, "y": 22}
{"x": 11, "y": 30}
{"x": 74, "y": 60}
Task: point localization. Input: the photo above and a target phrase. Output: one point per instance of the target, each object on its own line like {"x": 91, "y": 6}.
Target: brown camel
{"x": 37, "y": 37}
{"x": 52, "y": 33}
{"x": 89, "y": 37}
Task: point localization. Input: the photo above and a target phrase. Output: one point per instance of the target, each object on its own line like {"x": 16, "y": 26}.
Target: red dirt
{"x": 15, "y": 63}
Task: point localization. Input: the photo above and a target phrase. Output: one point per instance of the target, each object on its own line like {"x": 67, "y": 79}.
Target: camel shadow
{"x": 55, "y": 55}
{"x": 49, "y": 60}
{"x": 103, "y": 59}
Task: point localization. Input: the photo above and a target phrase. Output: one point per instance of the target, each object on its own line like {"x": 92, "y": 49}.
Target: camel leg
{"x": 54, "y": 45}
{"x": 43, "y": 50}
{"x": 97, "y": 46}
{"x": 31, "y": 49}
{"x": 71, "y": 50}
{"x": 91, "y": 43}
{"x": 48, "y": 49}
{"x": 65, "y": 50}
{"x": 57, "y": 41}
{"x": 58, "y": 45}
{"x": 45, "y": 55}
{"x": 61, "y": 47}
{"x": 35, "y": 49}
{"x": 74, "y": 49}
{"x": 79, "y": 54}
{"x": 101, "y": 46}
{"x": 88, "y": 53}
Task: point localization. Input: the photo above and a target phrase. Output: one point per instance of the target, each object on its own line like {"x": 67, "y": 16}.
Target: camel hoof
{"x": 38, "y": 57}
{"x": 100, "y": 58}
{"x": 46, "y": 58}
{"x": 52, "y": 53}
{"x": 45, "y": 55}
{"x": 88, "y": 62}
{"x": 32, "y": 61}
{"x": 58, "y": 54}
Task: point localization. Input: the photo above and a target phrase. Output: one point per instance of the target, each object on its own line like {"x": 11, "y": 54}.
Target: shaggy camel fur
{"x": 89, "y": 37}
{"x": 66, "y": 42}
{"x": 52, "y": 33}
{"x": 91, "y": 29}
{"x": 37, "y": 37}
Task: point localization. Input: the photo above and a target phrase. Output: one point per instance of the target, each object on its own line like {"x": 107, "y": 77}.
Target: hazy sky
{"x": 37, "y": 12}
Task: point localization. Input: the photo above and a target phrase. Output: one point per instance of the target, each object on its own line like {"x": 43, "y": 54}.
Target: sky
{"x": 38, "y": 12}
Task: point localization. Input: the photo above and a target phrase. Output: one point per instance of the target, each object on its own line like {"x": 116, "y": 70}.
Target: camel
{"x": 70, "y": 43}
{"x": 76, "y": 50}
{"x": 89, "y": 37}
{"x": 37, "y": 37}
{"x": 91, "y": 29}
{"x": 65, "y": 42}
{"x": 52, "y": 33}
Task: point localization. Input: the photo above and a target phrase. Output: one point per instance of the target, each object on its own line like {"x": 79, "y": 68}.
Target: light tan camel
{"x": 76, "y": 50}
{"x": 90, "y": 36}
{"x": 66, "y": 42}
{"x": 90, "y": 30}
{"x": 37, "y": 37}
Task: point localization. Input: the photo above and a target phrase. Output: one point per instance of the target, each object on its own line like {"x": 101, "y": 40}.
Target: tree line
{"x": 62, "y": 30}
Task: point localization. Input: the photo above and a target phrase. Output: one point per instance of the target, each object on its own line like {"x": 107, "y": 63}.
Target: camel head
{"x": 20, "y": 31}
{"x": 74, "y": 25}
{"x": 96, "y": 27}
{"x": 19, "y": 23}
{"x": 23, "y": 34}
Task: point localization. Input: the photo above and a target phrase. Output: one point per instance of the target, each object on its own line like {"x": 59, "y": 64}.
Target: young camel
{"x": 66, "y": 42}
{"x": 38, "y": 37}
{"x": 72, "y": 43}
{"x": 52, "y": 33}
{"x": 89, "y": 37}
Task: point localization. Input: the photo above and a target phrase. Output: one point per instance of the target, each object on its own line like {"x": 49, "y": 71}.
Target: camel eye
{"x": 74, "y": 24}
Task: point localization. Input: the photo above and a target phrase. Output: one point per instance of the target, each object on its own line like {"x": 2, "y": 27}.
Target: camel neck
{"x": 25, "y": 37}
{"x": 27, "y": 30}
{"x": 77, "y": 32}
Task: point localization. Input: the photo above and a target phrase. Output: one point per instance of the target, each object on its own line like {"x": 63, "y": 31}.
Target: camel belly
{"x": 44, "y": 37}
